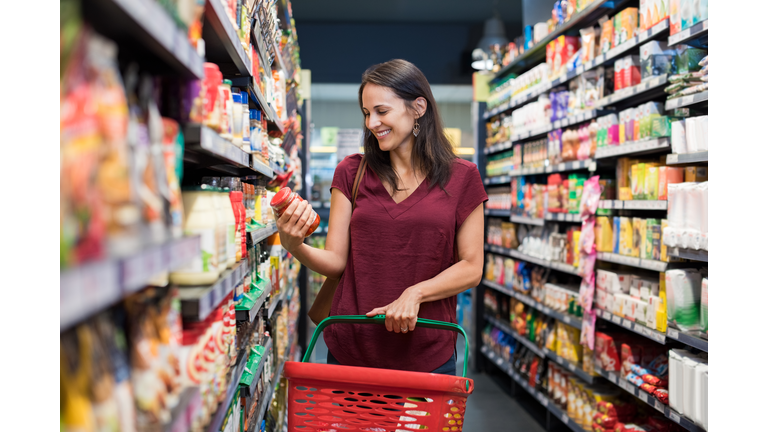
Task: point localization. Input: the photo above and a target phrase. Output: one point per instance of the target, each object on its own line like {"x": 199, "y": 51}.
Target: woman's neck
{"x": 400, "y": 159}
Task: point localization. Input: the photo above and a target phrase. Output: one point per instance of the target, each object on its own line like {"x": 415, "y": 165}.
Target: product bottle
{"x": 221, "y": 222}
{"x": 237, "y": 119}
{"x": 284, "y": 198}
{"x": 255, "y": 126}
{"x": 234, "y": 185}
{"x": 225, "y": 93}
{"x": 229, "y": 216}
{"x": 200, "y": 219}
{"x": 246, "y": 123}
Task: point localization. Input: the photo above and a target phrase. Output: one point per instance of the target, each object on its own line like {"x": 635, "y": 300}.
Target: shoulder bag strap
{"x": 358, "y": 178}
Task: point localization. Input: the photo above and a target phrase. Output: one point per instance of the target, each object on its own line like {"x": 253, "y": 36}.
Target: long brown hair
{"x": 432, "y": 152}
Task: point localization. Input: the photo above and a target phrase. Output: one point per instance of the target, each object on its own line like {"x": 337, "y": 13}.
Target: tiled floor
{"x": 489, "y": 408}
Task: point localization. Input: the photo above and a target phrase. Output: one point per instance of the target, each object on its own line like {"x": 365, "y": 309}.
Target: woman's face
{"x": 387, "y": 117}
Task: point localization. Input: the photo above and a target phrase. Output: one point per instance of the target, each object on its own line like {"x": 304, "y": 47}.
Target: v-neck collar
{"x": 393, "y": 208}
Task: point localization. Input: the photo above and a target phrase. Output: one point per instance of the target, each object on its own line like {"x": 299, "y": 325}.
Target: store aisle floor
{"x": 489, "y": 408}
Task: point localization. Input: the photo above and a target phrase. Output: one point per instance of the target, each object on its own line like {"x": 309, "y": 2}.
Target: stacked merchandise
{"x": 689, "y": 135}
{"x": 692, "y": 72}
{"x": 148, "y": 345}
{"x": 534, "y": 281}
{"x": 499, "y": 199}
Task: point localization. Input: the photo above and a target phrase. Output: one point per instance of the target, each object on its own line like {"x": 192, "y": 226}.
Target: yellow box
{"x": 626, "y": 239}
{"x": 637, "y": 236}
{"x": 625, "y": 194}
{"x": 661, "y": 312}
{"x": 576, "y": 249}
{"x": 664, "y": 256}
{"x": 640, "y": 231}
{"x": 604, "y": 234}
{"x": 651, "y": 181}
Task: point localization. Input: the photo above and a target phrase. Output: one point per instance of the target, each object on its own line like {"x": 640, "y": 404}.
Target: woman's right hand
{"x": 294, "y": 224}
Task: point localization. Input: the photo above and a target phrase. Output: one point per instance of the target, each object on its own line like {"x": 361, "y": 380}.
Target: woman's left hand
{"x": 401, "y": 313}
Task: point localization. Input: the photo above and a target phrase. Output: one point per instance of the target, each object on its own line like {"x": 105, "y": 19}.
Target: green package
{"x": 661, "y": 127}
{"x": 651, "y": 182}
{"x": 651, "y": 226}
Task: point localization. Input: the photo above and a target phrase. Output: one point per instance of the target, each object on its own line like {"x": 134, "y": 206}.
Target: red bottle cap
{"x": 281, "y": 196}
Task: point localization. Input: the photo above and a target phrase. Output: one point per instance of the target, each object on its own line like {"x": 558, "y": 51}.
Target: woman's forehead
{"x": 375, "y": 95}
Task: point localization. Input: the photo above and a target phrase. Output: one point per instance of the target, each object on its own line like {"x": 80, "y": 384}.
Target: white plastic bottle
{"x": 200, "y": 219}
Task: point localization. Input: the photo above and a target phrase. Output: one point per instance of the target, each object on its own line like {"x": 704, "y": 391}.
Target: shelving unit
{"x": 697, "y": 31}
{"x": 542, "y": 398}
{"x": 691, "y": 254}
{"x": 647, "y": 264}
{"x": 687, "y": 158}
{"x": 562, "y": 317}
{"x": 147, "y": 34}
{"x": 633, "y": 205}
{"x": 87, "y": 289}
{"x": 603, "y": 163}
{"x": 563, "y": 267}
{"x": 497, "y": 212}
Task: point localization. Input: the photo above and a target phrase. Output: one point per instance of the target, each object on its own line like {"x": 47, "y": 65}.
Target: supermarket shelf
{"x": 572, "y": 367}
{"x": 563, "y": 217}
{"x": 562, "y": 317}
{"x": 650, "y": 34}
{"x": 262, "y": 233}
{"x": 181, "y": 414}
{"x": 222, "y": 44}
{"x": 634, "y": 147}
{"x": 542, "y": 130}
{"x": 685, "y": 101}
{"x": 147, "y": 31}
{"x": 633, "y": 205}
{"x": 687, "y": 158}
{"x": 497, "y": 212}
{"x": 541, "y": 397}
{"x": 255, "y": 95}
{"x": 91, "y": 287}
{"x": 221, "y": 412}
{"x": 640, "y": 329}
{"x": 197, "y": 302}
{"x": 647, "y": 264}
{"x": 630, "y": 92}
{"x": 691, "y": 254}
{"x": 279, "y": 57}
{"x": 563, "y": 267}
{"x": 536, "y": 54}
{"x": 251, "y": 390}
{"x": 261, "y": 168}
{"x": 561, "y": 167}
{"x": 507, "y": 329}
{"x": 697, "y": 31}
{"x": 650, "y": 400}
{"x": 527, "y": 220}
{"x": 250, "y": 314}
{"x": 498, "y": 180}
{"x": 274, "y": 304}
{"x": 689, "y": 339}
{"x": 199, "y": 138}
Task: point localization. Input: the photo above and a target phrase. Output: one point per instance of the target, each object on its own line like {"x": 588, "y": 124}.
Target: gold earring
{"x": 416, "y": 128}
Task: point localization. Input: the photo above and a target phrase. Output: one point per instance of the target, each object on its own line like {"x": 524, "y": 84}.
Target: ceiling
{"x": 400, "y": 11}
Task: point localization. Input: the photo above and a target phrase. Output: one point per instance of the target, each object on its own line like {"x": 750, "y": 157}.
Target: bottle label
{"x": 206, "y": 260}
{"x": 231, "y": 251}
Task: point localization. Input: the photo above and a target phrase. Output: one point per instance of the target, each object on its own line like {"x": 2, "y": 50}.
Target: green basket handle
{"x": 379, "y": 319}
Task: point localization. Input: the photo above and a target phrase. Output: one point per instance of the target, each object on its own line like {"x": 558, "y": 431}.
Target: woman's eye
{"x": 383, "y": 112}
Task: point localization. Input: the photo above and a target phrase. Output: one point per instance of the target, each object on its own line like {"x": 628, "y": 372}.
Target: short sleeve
{"x": 344, "y": 176}
{"x": 472, "y": 193}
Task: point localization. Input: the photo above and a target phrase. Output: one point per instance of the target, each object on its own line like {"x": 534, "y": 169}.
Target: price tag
{"x": 560, "y": 361}
{"x": 612, "y": 377}
{"x": 705, "y": 25}
{"x": 672, "y": 333}
{"x": 686, "y": 100}
{"x": 658, "y": 405}
{"x": 616, "y": 319}
{"x": 643, "y": 396}
{"x": 542, "y": 399}
{"x": 567, "y": 319}
{"x": 675, "y": 417}
{"x": 626, "y": 386}
{"x": 564, "y": 418}
{"x": 684, "y": 34}
{"x": 572, "y": 367}
{"x": 628, "y": 324}
{"x": 579, "y": 70}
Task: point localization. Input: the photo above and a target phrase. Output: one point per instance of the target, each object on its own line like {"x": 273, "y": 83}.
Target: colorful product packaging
{"x": 638, "y": 236}
{"x": 606, "y": 36}
{"x": 626, "y": 233}
{"x": 625, "y": 26}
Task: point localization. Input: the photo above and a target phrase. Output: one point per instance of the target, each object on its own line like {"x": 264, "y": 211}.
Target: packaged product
{"x": 638, "y": 236}
{"x": 651, "y": 189}
{"x": 607, "y": 351}
{"x": 695, "y": 174}
{"x": 589, "y": 44}
{"x": 625, "y": 26}
{"x": 684, "y": 297}
{"x": 606, "y": 36}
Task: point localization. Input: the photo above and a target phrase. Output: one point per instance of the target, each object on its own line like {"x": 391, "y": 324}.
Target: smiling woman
{"x": 414, "y": 240}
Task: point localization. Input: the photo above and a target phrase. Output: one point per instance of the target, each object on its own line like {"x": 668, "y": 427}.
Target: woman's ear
{"x": 420, "y": 106}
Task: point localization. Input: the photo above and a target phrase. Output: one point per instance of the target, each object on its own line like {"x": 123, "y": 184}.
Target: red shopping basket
{"x": 325, "y": 398}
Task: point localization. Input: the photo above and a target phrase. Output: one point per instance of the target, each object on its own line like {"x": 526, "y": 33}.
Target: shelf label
{"x": 675, "y": 417}
{"x": 612, "y": 377}
{"x": 687, "y": 100}
{"x": 628, "y": 324}
{"x": 616, "y": 319}
{"x": 572, "y": 367}
{"x": 626, "y": 386}
{"x": 672, "y": 333}
{"x": 542, "y": 399}
{"x": 564, "y": 418}
{"x": 658, "y": 405}
{"x": 643, "y": 396}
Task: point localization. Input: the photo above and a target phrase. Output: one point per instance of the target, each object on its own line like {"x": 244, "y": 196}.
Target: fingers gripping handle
{"x": 379, "y": 319}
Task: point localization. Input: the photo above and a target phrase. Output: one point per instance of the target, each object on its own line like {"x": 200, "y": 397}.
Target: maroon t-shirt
{"x": 393, "y": 247}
